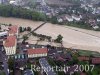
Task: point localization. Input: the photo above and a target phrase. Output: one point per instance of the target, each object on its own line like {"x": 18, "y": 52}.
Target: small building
{"x": 10, "y": 45}
{"x": 5, "y": 33}
{"x": 68, "y": 18}
{"x": 76, "y": 18}
{"x": 83, "y": 58}
{"x": 59, "y": 19}
{"x": 98, "y": 20}
{"x": 95, "y": 60}
{"x": 38, "y": 52}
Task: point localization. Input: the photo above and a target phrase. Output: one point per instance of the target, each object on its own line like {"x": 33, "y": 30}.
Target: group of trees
{"x": 59, "y": 39}
{"x": 22, "y": 29}
{"x": 19, "y": 12}
{"x": 42, "y": 37}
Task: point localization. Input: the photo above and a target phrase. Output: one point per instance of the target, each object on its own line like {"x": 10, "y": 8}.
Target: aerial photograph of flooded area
{"x": 49, "y": 37}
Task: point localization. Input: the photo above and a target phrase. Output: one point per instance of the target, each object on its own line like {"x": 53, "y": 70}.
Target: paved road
{"x": 3, "y": 56}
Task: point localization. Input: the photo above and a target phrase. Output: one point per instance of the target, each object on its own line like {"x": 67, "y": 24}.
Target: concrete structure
{"x": 38, "y": 52}
{"x": 10, "y": 45}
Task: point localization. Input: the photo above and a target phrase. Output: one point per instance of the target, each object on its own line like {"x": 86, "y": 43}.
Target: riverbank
{"x": 73, "y": 37}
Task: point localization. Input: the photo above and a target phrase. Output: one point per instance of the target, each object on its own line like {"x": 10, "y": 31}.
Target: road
{"x": 3, "y": 56}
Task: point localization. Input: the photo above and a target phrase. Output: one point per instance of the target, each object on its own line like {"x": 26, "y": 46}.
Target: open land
{"x": 73, "y": 37}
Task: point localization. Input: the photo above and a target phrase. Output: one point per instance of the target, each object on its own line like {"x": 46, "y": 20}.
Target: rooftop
{"x": 37, "y": 51}
{"x": 10, "y": 41}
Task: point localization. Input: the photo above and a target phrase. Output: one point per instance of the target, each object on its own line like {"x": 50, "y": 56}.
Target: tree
{"x": 59, "y": 39}
{"x": 28, "y": 29}
{"x": 20, "y": 29}
{"x": 25, "y": 37}
{"x": 11, "y": 64}
{"x": 54, "y": 20}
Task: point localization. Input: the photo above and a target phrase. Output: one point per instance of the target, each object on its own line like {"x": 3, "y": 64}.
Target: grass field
{"x": 88, "y": 53}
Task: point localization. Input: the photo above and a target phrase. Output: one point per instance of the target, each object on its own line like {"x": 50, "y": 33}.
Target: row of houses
{"x": 69, "y": 18}
{"x": 94, "y": 60}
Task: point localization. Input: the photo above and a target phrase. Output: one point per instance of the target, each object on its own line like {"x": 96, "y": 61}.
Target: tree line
{"x": 18, "y": 12}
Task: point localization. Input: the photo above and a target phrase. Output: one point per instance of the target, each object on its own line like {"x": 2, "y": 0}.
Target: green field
{"x": 88, "y": 53}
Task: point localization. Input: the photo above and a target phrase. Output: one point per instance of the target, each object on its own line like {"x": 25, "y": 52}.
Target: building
{"x": 83, "y": 58}
{"x": 13, "y": 30}
{"x": 76, "y": 18}
{"x": 68, "y": 18}
{"x": 59, "y": 19}
{"x": 5, "y": 33}
{"x": 95, "y": 60}
{"x": 38, "y": 52}
{"x": 10, "y": 45}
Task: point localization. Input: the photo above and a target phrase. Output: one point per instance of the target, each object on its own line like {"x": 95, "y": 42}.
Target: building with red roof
{"x": 83, "y": 58}
{"x": 10, "y": 45}
{"x": 38, "y": 52}
{"x": 13, "y": 30}
{"x": 96, "y": 60}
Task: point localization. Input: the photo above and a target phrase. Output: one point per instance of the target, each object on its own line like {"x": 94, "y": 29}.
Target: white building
{"x": 98, "y": 20}
{"x": 69, "y": 18}
{"x": 76, "y": 18}
{"x": 3, "y": 33}
{"x": 59, "y": 19}
{"x": 38, "y": 52}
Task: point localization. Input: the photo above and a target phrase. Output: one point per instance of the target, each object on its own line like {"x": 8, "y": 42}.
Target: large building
{"x": 10, "y": 45}
{"x": 38, "y": 52}
{"x": 10, "y": 42}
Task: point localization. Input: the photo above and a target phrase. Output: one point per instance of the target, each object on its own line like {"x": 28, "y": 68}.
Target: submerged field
{"x": 73, "y": 37}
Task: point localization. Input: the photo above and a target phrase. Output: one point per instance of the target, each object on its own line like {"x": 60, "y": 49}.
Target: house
{"x": 13, "y": 30}
{"x": 93, "y": 24}
{"x": 5, "y": 33}
{"x": 98, "y": 20}
{"x": 59, "y": 19}
{"x": 68, "y": 18}
{"x": 95, "y": 60}
{"x": 10, "y": 45}
{"x": 83, "y": 58}
{"x": 76, "y": 18}
{"x": 38, "y": 52}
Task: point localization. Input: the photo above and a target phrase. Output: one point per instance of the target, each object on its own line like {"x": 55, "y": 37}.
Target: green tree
{"x": 28, "y": 29}
{"x": 59, "y": 39}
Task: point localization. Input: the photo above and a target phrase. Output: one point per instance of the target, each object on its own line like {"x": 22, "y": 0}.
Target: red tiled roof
{"x": 13, "y": 29}
{"x": 83, "y": 58}
{"x": 96, "y": 60}
{"x": 37, "y": 51}
{"x": 10, "y": 41}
